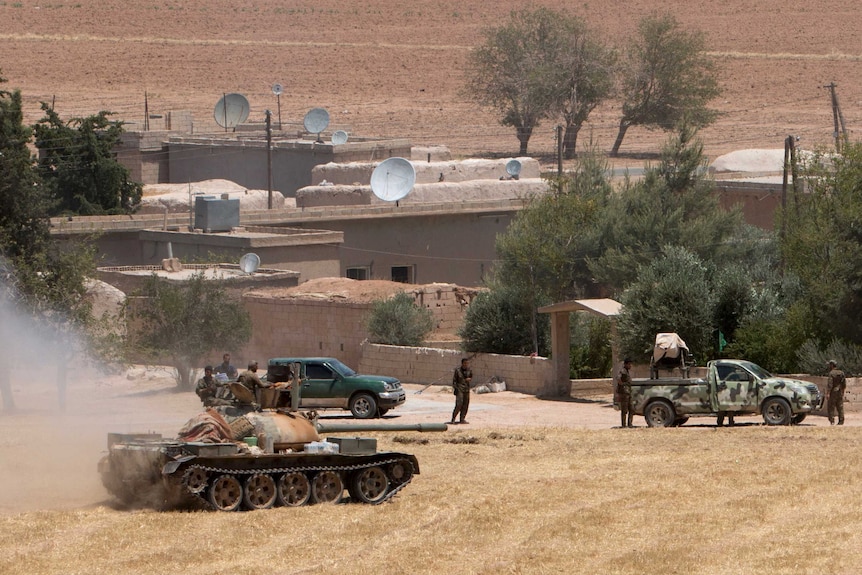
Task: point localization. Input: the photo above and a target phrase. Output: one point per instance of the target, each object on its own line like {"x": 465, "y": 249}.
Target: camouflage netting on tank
{"x": 208, "y": 427}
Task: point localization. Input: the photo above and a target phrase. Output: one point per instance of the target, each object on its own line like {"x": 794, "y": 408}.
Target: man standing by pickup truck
{"x": 836, "y": 383}
{"x": 624, "y": 392}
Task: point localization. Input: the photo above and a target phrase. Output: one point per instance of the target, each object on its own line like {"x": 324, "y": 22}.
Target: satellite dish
{"x": 339, "y": 137}
{"x": 393, "y": 179}
{"x": 249, "y": 263}
{"x": 316, "y": 120}
{"x": 277, "y": 89}
{"x": 513, "y": 168}
{"x": 231, "y": 110}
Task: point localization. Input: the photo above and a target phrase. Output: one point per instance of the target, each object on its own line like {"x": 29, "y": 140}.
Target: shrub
{"x": 399, "y": 321}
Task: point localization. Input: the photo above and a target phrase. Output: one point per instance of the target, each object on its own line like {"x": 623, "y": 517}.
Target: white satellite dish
{"x": 231, "y": 110}
{"x": 393, "y": 179}
{"x": 316, "y": 120}
{"x": 249, "y": 263}
{"x": 339, "y": 137}
{"x": 277, "y": 89}
{"x": 513, "y": 168}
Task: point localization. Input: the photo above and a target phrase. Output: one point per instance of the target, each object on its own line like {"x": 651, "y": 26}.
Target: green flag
{"x": 722, "y": 343}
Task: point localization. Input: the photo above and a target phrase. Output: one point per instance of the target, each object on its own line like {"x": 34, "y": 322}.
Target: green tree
{"x": 498, "y": 321}
{"x": 41, "y": 283}
{"x": 514, "y": 69}
{"x": 399, "y": 321}
{"x": 674, "y": 204}
{"x": 671, "y": 294}
{"x": 585, "y": 79}
{"x": 79, "y": 168}
{"x": 822, "y": 244}
{"x": 666, "y": 77}
{"x": 546, "y": 249}
{"x": 181, "y": 322}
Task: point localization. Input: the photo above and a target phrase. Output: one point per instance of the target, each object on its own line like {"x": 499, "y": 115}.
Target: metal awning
{"x": 604, "y": 307}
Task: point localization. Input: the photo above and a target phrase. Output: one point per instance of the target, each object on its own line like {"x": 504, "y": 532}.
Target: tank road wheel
{"x": 798, "y": 418}
{"x": 776, "y": 411}
{"x": 294, "y": 489}
{"x": 659, "y": 414}
{"x": 226, "y": 493}
{"x": 196, "y": 480}
{"x": 363, "y": 406}
{"x": 369, "y": 485}
{"x": 260, "y": 491}
{"x": 400, "y": 472}
{"x": 327, "y": 487}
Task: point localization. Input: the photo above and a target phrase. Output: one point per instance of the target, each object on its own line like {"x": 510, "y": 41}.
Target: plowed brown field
{"x": 386, "y": 68}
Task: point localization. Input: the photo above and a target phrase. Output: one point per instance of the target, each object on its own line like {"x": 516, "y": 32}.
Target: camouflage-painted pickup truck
{"x": 733, "y": 386}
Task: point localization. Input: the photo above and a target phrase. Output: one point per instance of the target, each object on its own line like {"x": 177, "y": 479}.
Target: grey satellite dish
{"x": 249, "y": 263}
{"x": 316, "y": 121}
{"x": 513, "y": 168}
{"x": 231, "y": 110}
{"x": 393, "y": 179}
{"x": 339, "y": 137}
{"x": 277, "y": 89}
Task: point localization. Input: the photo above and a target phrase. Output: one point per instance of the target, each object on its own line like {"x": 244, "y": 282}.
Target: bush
{"x": 499, "y": 321}
{"x": 813, "y": 360}
{"x": 399, "y": 321}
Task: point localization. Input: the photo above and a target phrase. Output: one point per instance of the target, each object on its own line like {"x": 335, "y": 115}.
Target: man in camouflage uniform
{"x": 207, "y": 389}
{"x": 461, "y": 386}
{"x": 249, "y": 378}
{"x": 836, "y": 383}
{"x": 624, "y": 393}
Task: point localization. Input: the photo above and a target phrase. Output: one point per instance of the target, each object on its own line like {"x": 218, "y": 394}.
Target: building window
{"x": 360, "y": 273}
{"x": 403, "y": 274}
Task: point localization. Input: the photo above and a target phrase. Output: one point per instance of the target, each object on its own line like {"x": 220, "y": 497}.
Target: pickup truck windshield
{"x": 756, "y": 370}
{"x": 342, "y": 369}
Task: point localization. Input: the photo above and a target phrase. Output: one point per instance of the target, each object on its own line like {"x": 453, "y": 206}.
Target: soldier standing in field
{"x": 624, "y": 392}
{"x": 461, "y": 386}
{"x": 836, "y": 383}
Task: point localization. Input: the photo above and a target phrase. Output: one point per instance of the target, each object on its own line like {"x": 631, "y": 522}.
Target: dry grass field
{"x": 530, "y": 487}
{"x": 387, "y": 68}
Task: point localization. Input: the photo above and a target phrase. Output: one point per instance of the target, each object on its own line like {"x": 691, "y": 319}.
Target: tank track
{"x": 200, "y": 491}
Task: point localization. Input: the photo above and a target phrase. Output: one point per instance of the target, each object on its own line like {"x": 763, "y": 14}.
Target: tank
{"x": 246, "y": 457}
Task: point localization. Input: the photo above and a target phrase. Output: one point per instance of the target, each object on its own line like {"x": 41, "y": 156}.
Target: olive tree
{"x": 180, "y": 322}
{"x": 515, "y": 69}
{"x": 399, "y": 321}
{"x": 666, "y": 77}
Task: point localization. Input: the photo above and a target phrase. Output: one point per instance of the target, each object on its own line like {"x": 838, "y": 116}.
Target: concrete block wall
{"x": 425, "y": 365}
{"x": 426, "y": 172}
{"x": 447, "y": 302}
{"x": 302, "y": 327}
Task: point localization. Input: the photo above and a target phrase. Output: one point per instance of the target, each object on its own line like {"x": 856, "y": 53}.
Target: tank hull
{"x": 148, "y": 471}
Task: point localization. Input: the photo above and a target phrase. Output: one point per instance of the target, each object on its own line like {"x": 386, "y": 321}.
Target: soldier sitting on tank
{"x": 207, "y": 389}
{"x": 250, "y": 379}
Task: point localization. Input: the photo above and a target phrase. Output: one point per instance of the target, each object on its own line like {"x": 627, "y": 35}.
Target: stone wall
{"x": 426, "y": 365}
{"x": 286, "y": 326}
{"x": 427, "y": 172}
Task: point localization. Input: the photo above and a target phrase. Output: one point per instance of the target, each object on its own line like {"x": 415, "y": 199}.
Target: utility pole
{"x": 837, "y": 117}
{"x": 269, "y": 158}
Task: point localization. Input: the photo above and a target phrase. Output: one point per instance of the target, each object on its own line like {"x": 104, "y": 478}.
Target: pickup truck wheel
{"x": 363, "y": 406}
{"x": 659, "y": 414}
{"x": 798, "y": 418}
{"x": 776, "y": 411}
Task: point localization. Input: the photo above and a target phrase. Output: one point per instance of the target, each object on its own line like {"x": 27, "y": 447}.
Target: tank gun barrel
{"x": 348, "y": 427}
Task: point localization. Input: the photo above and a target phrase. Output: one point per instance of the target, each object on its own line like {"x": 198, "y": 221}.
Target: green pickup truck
{"x": 732, "y": 386}
{"x": 328, "y": 383}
